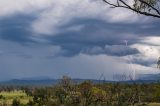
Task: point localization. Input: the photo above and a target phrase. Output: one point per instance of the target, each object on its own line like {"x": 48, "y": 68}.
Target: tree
{"x": 144, "y": 7}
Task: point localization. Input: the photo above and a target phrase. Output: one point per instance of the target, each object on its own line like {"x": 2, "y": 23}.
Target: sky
{"x": 78, "y": 38}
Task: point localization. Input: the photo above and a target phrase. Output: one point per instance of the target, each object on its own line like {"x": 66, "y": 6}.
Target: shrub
{"x": 16, "y": 102}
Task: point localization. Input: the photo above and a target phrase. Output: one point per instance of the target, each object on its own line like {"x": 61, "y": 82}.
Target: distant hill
{"x": 46, "y": 81}
{"x": 22, "y": 82}
{"x": 154, "y": 77}
{"x": 37, "y": 78}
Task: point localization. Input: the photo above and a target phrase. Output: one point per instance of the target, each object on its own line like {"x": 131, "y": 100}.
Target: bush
{"x": 16, "y": 102}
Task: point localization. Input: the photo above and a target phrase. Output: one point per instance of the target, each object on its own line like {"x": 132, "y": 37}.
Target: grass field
{"x": 7, "y": 97}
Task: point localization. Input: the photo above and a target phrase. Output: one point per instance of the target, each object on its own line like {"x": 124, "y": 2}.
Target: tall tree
{"x": 144, "y": 7}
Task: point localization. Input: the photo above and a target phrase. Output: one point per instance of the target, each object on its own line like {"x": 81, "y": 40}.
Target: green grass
{"x": 9, "y": 96}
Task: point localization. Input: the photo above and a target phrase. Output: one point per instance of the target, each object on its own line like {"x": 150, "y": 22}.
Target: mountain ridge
{"x": 47, "y": 81}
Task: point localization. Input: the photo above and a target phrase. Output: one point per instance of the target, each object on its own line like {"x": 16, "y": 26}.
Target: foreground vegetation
{"x": 8, "y": 97}
{"x": 67, "y": 93}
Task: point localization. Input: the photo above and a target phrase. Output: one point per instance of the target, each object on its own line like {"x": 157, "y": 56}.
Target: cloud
{"x": 144, "y": 61}
{"x": 16, "y": 28}
{"x": 96, "y": 33}
{"x": 75, "y": 28}
{"x": 149, "y": 51}
{"x": 21, "y": 61}
{"x": 152, "y": 40}
{"x": 81, "y": 30}
{"x": 113, "y": 50}
{"x": 82, "y": 38}
{"x": 52, "y": 15}
{"x": 30, "y": 51}
{"x": 9, "y": 8}
{"x": 63, "y": 12}
{"x": 80, "y": 66}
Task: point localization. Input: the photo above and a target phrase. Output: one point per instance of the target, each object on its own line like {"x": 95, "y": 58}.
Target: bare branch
{"x": 149, "y": 5}
{"x": 123, "y": 4}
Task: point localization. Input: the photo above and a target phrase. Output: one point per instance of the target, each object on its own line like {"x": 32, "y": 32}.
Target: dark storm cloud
{"x": 99, "y": 33}
{"x": 93, "y": 33}
{"x": 114, "y": 50}
{"x": 16, "y": 28}
{"x": 144, "y": 62}
{"x": 23, "y": 55}
{"x": 54, "y": 38}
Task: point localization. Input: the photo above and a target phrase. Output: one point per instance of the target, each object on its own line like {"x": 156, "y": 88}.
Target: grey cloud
{"x": 120, "y": 50}
{"x": 16, "y": 28}
{"x": 113, "y": 50}
{"x": 88, "y": 34}
{"x": 25, "y": 56}
{"x": 99, "y": 33}
{"x": 81, "y": 42}
{"x": 144, "y": 62}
